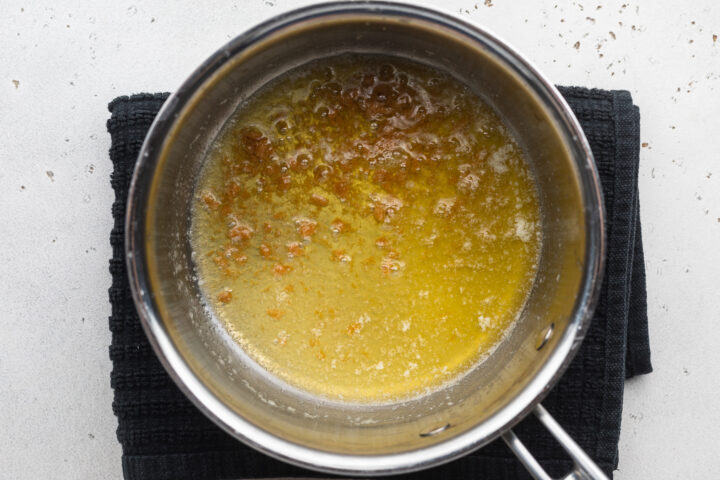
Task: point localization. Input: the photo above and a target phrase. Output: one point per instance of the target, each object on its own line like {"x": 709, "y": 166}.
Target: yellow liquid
{"x": 366, "y": 228}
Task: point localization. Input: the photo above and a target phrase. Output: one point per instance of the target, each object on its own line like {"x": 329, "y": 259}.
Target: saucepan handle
{"x": 585, "y": 468}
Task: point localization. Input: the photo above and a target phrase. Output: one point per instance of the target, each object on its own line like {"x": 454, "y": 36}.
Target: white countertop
{"x": 62, "y": 62}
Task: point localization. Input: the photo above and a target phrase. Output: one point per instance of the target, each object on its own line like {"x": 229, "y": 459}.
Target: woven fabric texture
{"x": 163, "y": 436}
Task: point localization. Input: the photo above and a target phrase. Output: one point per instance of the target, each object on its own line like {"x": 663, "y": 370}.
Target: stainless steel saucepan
{"x": 331, "y": 436}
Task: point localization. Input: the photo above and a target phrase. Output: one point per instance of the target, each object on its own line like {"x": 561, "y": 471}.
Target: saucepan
{"x": 357, "y": 438}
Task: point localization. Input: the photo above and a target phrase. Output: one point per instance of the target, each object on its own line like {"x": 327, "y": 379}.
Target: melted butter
{"x": 366, "y": 229}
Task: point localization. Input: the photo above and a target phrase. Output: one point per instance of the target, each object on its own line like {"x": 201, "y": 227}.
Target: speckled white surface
{"x": 63, "y": 61}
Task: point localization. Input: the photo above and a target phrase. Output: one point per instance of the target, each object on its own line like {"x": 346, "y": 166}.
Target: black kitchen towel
{"x": 164, "y": 436}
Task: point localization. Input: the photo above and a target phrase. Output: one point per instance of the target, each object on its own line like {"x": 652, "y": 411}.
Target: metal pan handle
{"x": 585, "y": 468}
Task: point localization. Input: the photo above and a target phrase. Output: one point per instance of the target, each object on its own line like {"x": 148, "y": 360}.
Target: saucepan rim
{"x": 392, "y": 463}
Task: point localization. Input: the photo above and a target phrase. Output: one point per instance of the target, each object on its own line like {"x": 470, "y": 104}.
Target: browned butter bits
{"x": 376, "y": 223}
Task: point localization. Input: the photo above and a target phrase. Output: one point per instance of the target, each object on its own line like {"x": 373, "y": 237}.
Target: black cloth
{"x": 164, "y": 436}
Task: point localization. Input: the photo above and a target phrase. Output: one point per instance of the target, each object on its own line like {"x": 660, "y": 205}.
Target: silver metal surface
{"x": 585, "y": 468}
{"x": 435, "y": 430}
{"x": 525, "y": 457}
{"x": 545, "y": 336}
{"x": 313, "y": 432}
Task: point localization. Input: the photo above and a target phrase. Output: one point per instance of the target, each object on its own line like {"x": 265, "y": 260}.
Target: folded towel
{"x": 164, "y": 436}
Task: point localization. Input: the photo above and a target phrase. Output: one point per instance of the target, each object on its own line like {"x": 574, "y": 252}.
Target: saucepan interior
{"x": 314, "y": 432}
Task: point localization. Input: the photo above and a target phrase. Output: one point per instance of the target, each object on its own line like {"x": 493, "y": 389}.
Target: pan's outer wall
{"x": 275, "y": 418}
